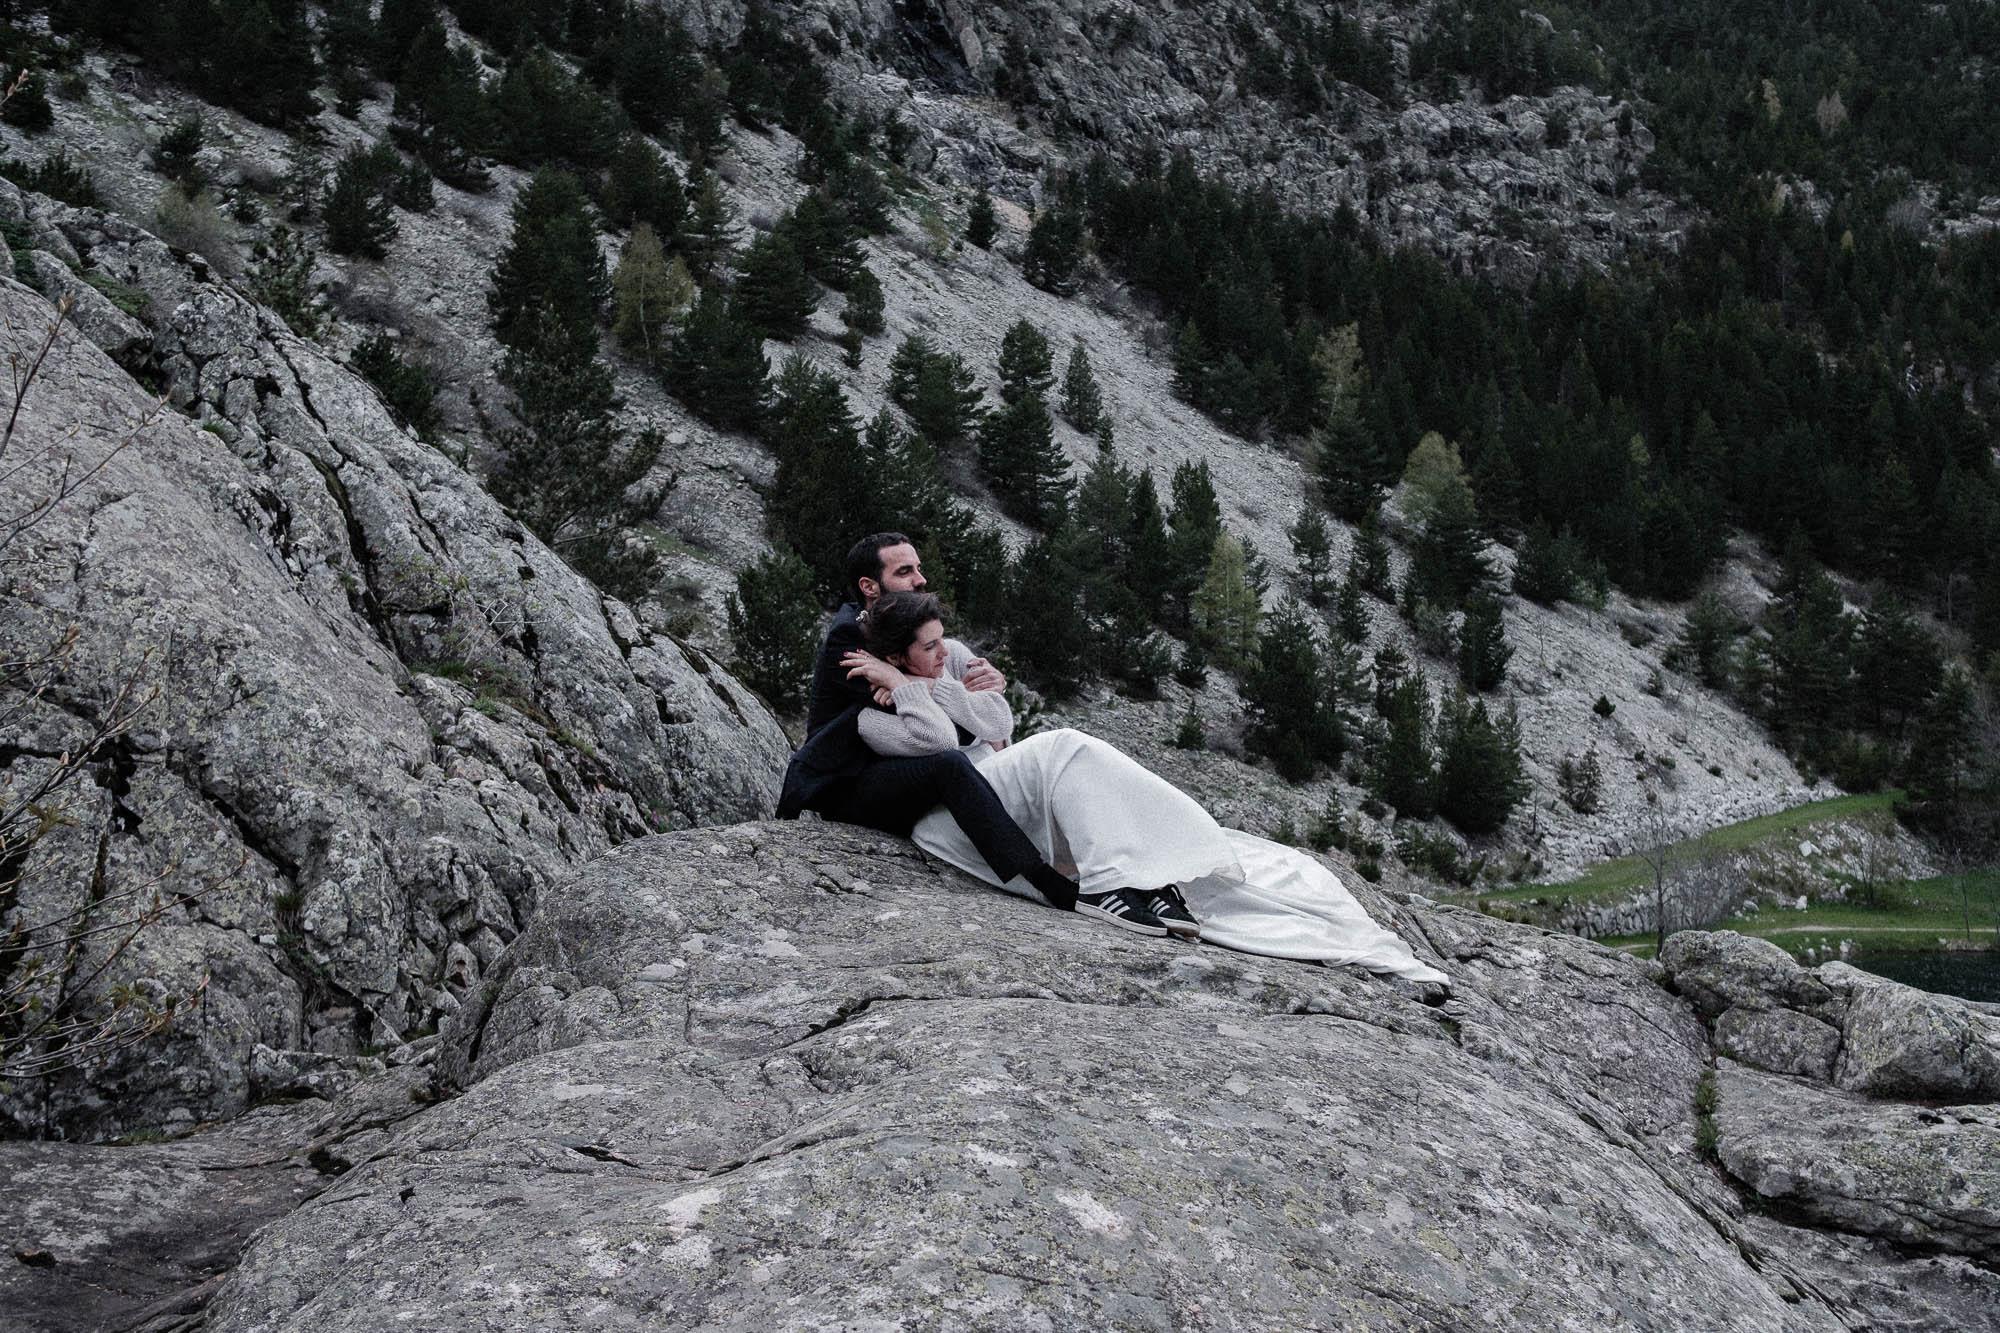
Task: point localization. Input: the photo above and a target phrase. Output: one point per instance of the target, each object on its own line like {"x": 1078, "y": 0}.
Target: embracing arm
{"x": 983, "y": 712}
{"x": 918, "y": 726}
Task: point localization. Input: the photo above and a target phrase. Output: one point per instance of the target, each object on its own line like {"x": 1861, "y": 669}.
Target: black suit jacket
{"x": 832, "y": 692}
{"x": 832, "y": 755}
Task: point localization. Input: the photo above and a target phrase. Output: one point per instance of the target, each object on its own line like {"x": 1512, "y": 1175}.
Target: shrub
{"x": 405, "y": 387}
{"x": 57, "y": 177}
{"x": 774, "y": 626}
{"x": 176, "y": 153}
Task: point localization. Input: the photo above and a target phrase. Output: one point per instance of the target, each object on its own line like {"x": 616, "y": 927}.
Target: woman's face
{"x": 925, "y": 655}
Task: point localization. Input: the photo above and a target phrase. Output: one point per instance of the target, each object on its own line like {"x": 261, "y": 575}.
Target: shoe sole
{"x": 1133, "y": 924}
{"x": 1187, "y": 930}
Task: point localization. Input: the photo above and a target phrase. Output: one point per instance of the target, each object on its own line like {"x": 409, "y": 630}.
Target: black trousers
{"x": 893, "y": 794}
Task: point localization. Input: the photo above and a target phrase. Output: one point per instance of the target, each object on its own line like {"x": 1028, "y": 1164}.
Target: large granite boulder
{"x": 1923, "y": 1178}
{"x": 1716, "y": 969}
{"x": 795, "y": 1077}
{"x": 1835, "y": 1023}
{"x": 1905, "y": 1042}
{"x": 363, "y": 719}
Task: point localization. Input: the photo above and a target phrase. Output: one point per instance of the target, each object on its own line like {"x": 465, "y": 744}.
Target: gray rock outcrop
{"x": 793, "y": 1077}
{"x": 367, "y": 717}
{"x": 1848, "y": 1100}
{"x": 1486, "y": 183}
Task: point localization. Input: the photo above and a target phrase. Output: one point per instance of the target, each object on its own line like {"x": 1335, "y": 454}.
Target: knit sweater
{"x": 929, "y": 713}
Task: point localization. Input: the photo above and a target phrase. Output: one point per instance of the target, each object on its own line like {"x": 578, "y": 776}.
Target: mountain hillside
{"x": 1418, "y": 271}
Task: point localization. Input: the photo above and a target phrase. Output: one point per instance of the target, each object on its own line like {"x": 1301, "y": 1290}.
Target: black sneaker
{"x": 1167, "y": 904}
{"x": 1124, "y": 908}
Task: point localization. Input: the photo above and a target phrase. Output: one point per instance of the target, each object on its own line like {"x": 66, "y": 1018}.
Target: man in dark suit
{"x": 835, "y": 774}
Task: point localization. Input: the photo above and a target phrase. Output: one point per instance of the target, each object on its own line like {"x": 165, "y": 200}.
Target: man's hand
{"x": 981, "y": 674}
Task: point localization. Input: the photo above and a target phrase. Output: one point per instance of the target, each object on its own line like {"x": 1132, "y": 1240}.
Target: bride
{"x": 1090, "y": 807}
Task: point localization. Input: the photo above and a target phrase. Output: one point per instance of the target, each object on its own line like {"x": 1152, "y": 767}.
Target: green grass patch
{"x": 1627, "y": 873}
{"x": 1905, "y": 914}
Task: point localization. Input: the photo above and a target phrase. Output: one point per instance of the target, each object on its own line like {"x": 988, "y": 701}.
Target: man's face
{"x": 901, "y": 572}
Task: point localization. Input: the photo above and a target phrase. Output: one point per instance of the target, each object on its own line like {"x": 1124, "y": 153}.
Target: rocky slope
{"x": 431, "y": 291}
{"x": 792, "y": 1077}
{"x": 381, "y": 791}
{"x": 1484, "y": 183}
{"x": 368, "y": 718}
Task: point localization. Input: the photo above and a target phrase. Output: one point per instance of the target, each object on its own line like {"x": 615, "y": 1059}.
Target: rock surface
{"x": 1923, "y": 1178}
{"x": 96, "y": 1237}
{"x": 371, "y": 717}
{"x": 792, "y": 1077}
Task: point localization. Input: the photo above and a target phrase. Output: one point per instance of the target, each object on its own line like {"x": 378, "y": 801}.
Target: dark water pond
{"x": 1972, "y": 976}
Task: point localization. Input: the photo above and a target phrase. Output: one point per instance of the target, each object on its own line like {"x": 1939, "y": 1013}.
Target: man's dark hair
{"x": 864, "y": 560}
{"x": 896, "y": 617}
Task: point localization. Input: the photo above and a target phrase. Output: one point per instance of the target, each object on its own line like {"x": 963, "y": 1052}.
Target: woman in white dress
{"x": 1090, "y": 807}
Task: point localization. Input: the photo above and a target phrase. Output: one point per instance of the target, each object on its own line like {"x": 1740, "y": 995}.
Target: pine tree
{"x": 1943, "y": 745}
{"x": 1195, "y": 521}
{"x": 359, "y": 219}
{"x": 442, "y": 113}
{"x": 1225, "y": 608}
{"x": 1350, "y": 612}
{"x": 1191, "y": 735}
{"x": 1351, "y": 468}
{"x": 642, "y": 187}
{"x": 282, "y": 278}
{"x": 551, "y": 270}
{"x": 1581, "y": 782}
{"x": 1045, "y": 619}
{"x": 708, "y": 235}
{"x": 177, "y": 154}
{"x": 946, "y": 403}
{"x": 1082, "y": 400}
{"x": 1480, "y": 778}
{"x": 1192, "y": 367}
{"x": 909, "y": 492}
{"x": 1483, "y": 652}
{"x": 545, "y": 116}
{"x": 980, "y": 223}
{"x": 1897, "y": 665}
{"x": 409, "y": 392}
{"x": 650, "y": 293}
{"x": 1540, "y": 573}
{"x": 1496, "y": 481}
{"x": 825, "y": 239}
{"x": 937, "y": 389}
{"x": 864, "y": 310}
{"x": 1149, "y": 550}
{"x": 1021, "y": 460}
{"x": 1809, "y": 650}
{"x": 1368, "y": 565}
{"x": 1392, "y": 668}
{"x": 716, "y": 366}
{"x": 1291, "y": 723}
{"x": 1447, "y": 560}
{"x": 565, "y": 466}
{"x": 1403, "y": 772}
{"x": 1312, "y": 551}
{"x": 774, "y": 294}
{"x": 1192, "y": 668}
{"x": 1705, "y": 640}
{"x": 1026, "y": 365}
{"x": 906, "y": 364}
{"x": 774, "y": 628}
{"x": 1054, "y": 251}
{"x": 819, "y": 488}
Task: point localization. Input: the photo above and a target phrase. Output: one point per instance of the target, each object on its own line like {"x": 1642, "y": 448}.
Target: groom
{"x": 835, "y": 774}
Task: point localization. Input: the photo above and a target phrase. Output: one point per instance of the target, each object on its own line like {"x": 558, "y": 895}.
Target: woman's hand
{"x": 885, "y": 679}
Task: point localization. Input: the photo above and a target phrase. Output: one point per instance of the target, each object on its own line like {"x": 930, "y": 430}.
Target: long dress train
{"x": 1090, "y": 807}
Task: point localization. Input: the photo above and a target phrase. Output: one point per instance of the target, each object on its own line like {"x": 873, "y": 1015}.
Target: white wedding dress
{"x": 1094, "y": 811}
